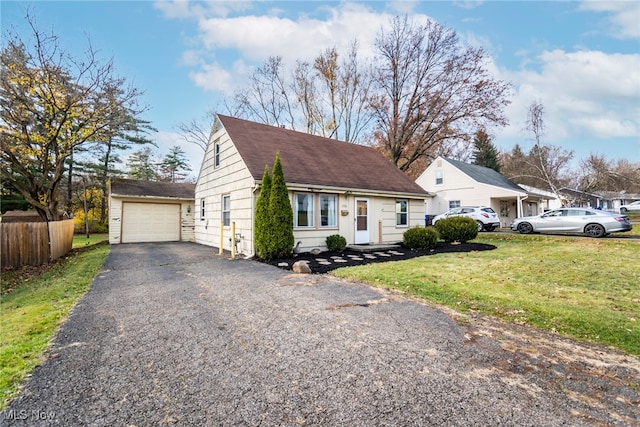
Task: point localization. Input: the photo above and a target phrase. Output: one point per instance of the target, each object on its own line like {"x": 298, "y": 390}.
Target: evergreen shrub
{"x": 457, "y": 229}
{"x": 420, "y": 238}
{"x": 336, "y": 242}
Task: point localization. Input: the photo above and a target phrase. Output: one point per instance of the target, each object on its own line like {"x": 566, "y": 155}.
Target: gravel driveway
{"x": 171, "y": 334}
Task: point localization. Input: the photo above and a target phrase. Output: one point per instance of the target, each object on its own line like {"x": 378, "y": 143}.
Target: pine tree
{"x": 142, "y": 166}
{"x": 261, "y": 225}
{"x": 174, "y": 165}
{"x": 485, "y": 153}
{"x": 280, "y": 235}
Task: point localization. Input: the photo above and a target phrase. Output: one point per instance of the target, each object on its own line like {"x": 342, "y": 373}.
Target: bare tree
{"x": 432, "y": 90}
{"x": 50, "y": 105}
{"x": 197, "y": 131}
{"x": 548, "y": 162}
{"x": 266, "y": 99}
{"x": 599, "y": 174}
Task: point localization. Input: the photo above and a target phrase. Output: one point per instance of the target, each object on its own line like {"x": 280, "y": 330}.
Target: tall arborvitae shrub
{"x": 280, "y": 235}
{"x": 261, "y": 224}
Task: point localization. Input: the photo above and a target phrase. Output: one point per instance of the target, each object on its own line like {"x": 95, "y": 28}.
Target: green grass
{"x": 81, "y": 240}
{"x": 35, "y": 301}
{"x": 587, "y": 289}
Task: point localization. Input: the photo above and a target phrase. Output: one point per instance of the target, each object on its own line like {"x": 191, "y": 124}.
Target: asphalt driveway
{"x": 171, "y": 334}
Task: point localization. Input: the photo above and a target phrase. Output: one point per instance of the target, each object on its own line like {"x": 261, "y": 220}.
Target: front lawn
{"x": 584, "y": 288}
{"x": 35, "y": 300}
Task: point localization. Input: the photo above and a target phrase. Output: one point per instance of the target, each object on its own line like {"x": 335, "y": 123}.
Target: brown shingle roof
{"x": 139, "y": 188}
{"x": 313, "y": 160}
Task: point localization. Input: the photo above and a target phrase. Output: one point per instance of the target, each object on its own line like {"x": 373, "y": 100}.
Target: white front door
{"x": 362, "y": 222}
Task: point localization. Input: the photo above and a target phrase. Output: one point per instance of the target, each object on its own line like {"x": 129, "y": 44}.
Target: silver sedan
{"x": 592, "y": 222}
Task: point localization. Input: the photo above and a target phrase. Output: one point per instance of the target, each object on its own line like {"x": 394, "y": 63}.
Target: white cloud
{"x": 588, "y": 94}
{"x": 258, "y": 37}
{"x": 624, "y": 16}
{"x": 213, "y": 77}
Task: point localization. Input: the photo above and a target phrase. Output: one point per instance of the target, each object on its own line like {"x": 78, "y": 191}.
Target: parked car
{"x": 592, "y": 222}
{"x": 631, "y": 207}
{"x": 486, "y": 217}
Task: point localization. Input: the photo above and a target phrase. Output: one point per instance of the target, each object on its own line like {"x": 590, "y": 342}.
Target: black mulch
{"x": 318, "y": 268}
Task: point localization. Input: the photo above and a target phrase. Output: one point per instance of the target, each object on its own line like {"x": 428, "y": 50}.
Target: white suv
{"x": 486, "y": 217}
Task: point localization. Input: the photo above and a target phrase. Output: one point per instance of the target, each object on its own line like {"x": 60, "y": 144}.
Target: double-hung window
{"x": 315, "y": 210}
{"x": 304, "y": 212}
{"x": 328, "y": 210}
{"x": 226, "y": 210}
{"x": 439, "y": 176}
{"x": 402, "y": 213}
{"x": 454, "y": 204}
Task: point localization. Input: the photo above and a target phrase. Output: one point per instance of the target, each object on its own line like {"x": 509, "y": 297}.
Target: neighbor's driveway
{"x": 171, "y": 334}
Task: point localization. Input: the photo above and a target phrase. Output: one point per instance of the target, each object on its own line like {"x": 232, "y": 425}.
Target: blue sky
{"x": 580, "y": 59}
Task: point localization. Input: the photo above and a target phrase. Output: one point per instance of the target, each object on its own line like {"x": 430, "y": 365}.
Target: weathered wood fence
{"x": 34, "y": 243}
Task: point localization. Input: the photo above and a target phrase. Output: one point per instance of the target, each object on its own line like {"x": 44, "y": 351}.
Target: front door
{"x": 362, "y": 222}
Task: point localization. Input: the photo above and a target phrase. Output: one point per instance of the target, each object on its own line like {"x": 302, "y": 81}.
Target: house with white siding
{"x": 334, "y": 187}
{"x": 454, "y": 183}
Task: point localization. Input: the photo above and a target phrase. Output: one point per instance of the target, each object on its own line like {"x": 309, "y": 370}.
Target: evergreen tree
{"x": 280, "y": 235}
{"x": 261, "y": 225}
{"x": 141, "y": 165}
{"x": 173, "y": 165}
{"x": 484, "y": 152}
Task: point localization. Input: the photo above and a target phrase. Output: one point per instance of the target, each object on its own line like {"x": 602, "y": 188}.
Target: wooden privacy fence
{"x": 34, "y": 243}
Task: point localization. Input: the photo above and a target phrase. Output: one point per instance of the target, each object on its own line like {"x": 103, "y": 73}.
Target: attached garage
{"x": 148, "y": 211}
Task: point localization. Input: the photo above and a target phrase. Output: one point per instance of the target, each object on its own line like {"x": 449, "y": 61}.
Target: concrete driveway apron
{"x": 171, "y": 334}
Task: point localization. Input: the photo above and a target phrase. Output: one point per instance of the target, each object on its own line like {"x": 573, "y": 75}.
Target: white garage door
{"x": 150, "y": 222}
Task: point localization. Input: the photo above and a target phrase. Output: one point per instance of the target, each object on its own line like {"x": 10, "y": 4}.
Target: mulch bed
{"x": 348, "y": 256}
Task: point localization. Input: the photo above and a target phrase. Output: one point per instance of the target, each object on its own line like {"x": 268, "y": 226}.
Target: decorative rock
{"x": 301, "y": 267}
{"x": 316, "y": 251}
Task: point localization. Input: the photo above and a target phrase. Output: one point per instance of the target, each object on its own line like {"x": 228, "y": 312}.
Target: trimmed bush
{"x": 279, "y": 243}
{"x": 457, "y": 229}
{"x": 336, "y": 242}
{"x": 420, "y": 238}
{"x": 261, "y": 224}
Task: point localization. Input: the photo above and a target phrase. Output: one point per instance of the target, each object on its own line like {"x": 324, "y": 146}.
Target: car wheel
{"x": 623, "y": 210}
{"x": 480, "y": 226}
{"x": 594, "y": 230}
{"x": 525, "y": 228}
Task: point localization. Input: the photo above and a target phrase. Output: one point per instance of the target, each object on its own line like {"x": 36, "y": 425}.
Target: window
{"x": 439, "y": 177}
{"x": 303, "y": 214}
{"x": 328, "y": 210}
{"x": 202, "y": 209}
{"x": 402, "y": 212}
{"x": 216, "y": 155}
{"x": 454, "y": 204}
{"x": 226, "y": 210}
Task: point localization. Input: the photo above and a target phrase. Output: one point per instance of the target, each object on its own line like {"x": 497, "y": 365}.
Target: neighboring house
{"x": 149, "y": 211}
{"x": 334, "y": 187}
{"x": 552, "y": 202}
{"x": 581, "y": 199}
{"x": 613, "y": 200}
{"x": 454, "y": 183}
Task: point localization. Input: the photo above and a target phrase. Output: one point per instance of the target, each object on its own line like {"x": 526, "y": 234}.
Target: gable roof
{"x": 314, "y": 160}
{"x": 140, "y": 188}
{"x": 485, "y": 175}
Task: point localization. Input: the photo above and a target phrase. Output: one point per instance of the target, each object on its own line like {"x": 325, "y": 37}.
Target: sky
{"x": 580, "y": 59}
